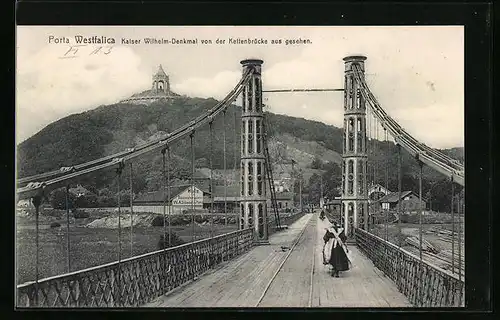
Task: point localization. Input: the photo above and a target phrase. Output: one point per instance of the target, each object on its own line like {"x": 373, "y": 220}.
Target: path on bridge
{"x": 243, "y": 281}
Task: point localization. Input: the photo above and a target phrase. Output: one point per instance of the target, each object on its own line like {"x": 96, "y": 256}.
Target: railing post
{"x": 37, "y": 201}
{"x": 119, "y": 284}
{"x": 68, "y": 257}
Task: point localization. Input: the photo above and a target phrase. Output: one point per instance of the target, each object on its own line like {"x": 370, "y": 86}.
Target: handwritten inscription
{"x": 75, "y": 51}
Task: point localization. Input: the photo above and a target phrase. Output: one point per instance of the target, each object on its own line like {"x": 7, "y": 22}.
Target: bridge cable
{"x": 386, "y": 184}
{"x": 420, "y": 164}
{"x": 36, "y": 200}
{"x": 212, "y": 196}
{"x": 119, "y": 173}
{"x": 131, "y": 213}
{"x": 191, "y": 136}
{"x": 235, "y": 170}
{"x": 461, "y": 212}
{"x": 400, "y": 178}
{"x": 452, "y": 227}
{"x": 224, "y": 164}
{"x": 169, "y": 201}
{"x": 67, "y": 230}
{"x": 165, "y": 199}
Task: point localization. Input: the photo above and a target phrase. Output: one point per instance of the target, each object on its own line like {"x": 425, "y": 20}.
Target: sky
{"x": 416, "y": 73}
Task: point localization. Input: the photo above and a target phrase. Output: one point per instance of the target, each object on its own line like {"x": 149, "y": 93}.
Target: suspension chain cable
{"x": 235, "y": 170}
{"x": 131, "y": 213}
{"x": 224, "y": 160}
{"x": 68, "y": 257}
{"x": 452, "y": 227}
{"x": 165, "y": 199}
{"x": 386, "y": 184}
{"x": 211, "y": 181}
{"x": 119, "y": 174}
{"x": 169, "y": 161}
{"x": 191, "y": 136}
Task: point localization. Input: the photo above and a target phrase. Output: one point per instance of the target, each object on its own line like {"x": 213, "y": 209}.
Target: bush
{"x": 201, "y": 219}
{"x": 158, "y": 221}
{"x": 55, "y": 225}
{"x": 163, "y": 242}
{"x": 79, "y": 214}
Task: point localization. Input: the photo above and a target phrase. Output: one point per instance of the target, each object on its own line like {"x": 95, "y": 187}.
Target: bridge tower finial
{"x": 253, "y": 205}
{"x": 354, "y": 183}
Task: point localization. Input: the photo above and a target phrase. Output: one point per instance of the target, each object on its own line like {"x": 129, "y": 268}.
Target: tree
{"x": 316, "y": 163}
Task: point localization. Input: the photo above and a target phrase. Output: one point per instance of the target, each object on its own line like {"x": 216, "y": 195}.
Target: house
{"x": 409, "y": 201}
{"x": 182, "y": 198}
{"x": 284, "y": 201}
{"x": 376, "y": 192}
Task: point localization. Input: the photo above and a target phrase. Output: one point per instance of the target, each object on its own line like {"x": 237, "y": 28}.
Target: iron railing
{"x": 423, "y": 284}
{"x": 284, "y": 220}
{"x": 134, "y": 281}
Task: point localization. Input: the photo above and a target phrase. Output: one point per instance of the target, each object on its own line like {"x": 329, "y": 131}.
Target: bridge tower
{"x": 354, "y": 157}
{"x": 253, "y": 205}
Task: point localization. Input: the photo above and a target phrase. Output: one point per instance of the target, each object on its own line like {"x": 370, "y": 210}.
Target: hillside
{"x": 109, "y": 129}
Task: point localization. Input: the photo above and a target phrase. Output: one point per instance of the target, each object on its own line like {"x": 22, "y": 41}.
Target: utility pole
{"x": 300, "y": 191}
{"x": 321, "y": 196}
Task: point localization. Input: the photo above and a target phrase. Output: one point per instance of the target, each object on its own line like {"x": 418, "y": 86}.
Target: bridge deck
{"x": 242, "y": 282}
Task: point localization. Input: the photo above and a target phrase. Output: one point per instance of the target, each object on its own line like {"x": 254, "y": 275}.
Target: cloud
{"x": 49, "y": 87}
{"x": 216, "y": 87}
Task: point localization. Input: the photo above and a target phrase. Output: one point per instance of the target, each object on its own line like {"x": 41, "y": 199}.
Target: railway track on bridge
{"x": 299, "y": 240}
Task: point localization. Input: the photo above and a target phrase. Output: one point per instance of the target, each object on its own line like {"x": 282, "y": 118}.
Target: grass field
{"x": 89, "y": 247}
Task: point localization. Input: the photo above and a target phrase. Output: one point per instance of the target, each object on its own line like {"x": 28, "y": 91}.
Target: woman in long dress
{"x": 335, "y": 251}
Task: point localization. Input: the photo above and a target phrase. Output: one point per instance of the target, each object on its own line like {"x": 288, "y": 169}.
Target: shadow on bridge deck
{"x": 242, "y": 282}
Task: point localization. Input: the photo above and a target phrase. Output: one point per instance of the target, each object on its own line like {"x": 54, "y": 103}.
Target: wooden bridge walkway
{"x": 252, "y": 280}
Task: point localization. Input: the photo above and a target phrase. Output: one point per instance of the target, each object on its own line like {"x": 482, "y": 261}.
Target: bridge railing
{"x": 423, "y": 284}
{"x": 284, "y": 220}
{"x": 134, "y": 281}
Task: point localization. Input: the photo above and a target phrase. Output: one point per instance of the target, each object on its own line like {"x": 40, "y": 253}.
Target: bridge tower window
{"x": 352, "y": 97}
{"x": 259, "y": 178}
{"x": 242, "y": 217}
{"x": 351, "y": 125}
{"x": 359, "y": 145}
{"x": 250, "y": 136}
{"x": 360, "y": 177}
{"x": 244, "y": 99}
{"x": 261, "y": 220}
{"x": 257, "y": 95}
{"x": 242, "y": 179}
{"x": 250, "y": 95}
{"x": 250, "y": 178}
{"x": 250, "y": 215}
{"x": 258, "y": 135}
{"x": 346, "y": 88}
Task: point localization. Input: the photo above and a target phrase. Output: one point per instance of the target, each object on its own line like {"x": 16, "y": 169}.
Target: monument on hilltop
{"x": 160, "y": 90}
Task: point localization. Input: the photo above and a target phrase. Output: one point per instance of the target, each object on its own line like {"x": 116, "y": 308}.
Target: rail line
{"x": 296, "y": 242}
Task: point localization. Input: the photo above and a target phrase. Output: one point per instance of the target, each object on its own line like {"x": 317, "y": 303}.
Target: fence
{"x": 137, "y": 280}
{"x": 423, "y": 284}
{"x": 284, "y": 220}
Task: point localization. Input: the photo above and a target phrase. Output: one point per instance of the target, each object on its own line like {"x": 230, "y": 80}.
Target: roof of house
{"x": 334, "y": 201}
{"x": 162, "y": 195}
{"x": 229, "y": 191}
{"x": 394, "y": 196}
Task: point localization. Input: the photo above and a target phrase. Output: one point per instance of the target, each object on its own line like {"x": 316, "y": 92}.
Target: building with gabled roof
{"x": 409, "y": 202}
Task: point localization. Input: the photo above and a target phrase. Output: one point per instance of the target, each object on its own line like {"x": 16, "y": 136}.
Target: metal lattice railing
{"x": 135, "y": 281}
{"x": 423, "y": 284}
